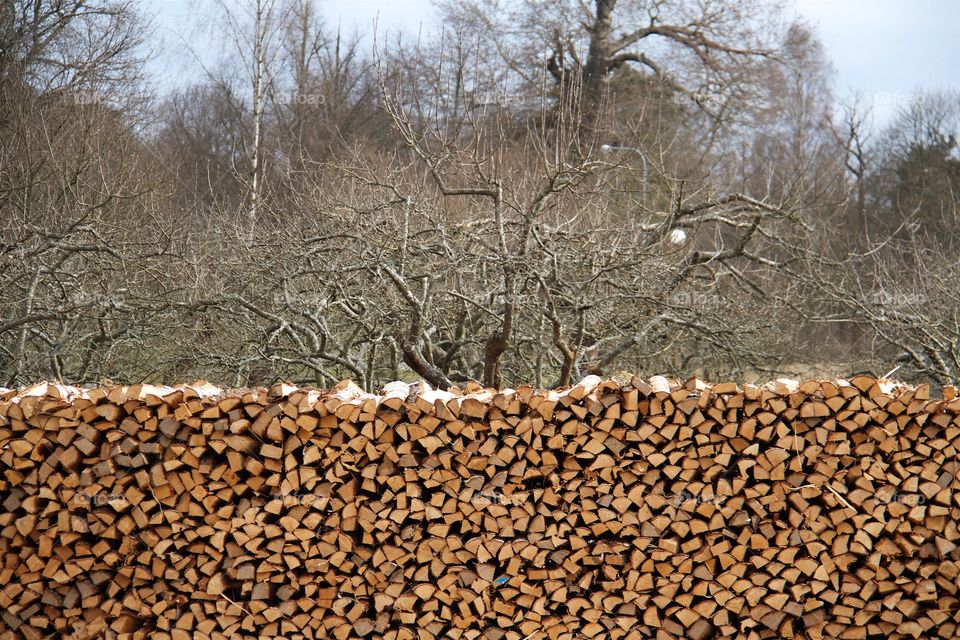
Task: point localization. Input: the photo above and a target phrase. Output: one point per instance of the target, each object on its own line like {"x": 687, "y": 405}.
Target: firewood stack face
{"x": 654, "y": 509}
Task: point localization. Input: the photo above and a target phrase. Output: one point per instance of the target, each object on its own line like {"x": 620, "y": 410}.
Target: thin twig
{"x": 235, "y": 604}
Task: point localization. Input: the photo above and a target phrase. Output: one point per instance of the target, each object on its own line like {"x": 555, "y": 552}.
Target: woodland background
{"x": 534, "y": 192}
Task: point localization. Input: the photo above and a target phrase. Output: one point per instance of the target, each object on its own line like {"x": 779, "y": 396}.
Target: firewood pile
{"x": 642, "y": 509}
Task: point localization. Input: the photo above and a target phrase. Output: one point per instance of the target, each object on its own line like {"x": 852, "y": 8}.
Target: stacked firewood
{"x": 614, "y": 509}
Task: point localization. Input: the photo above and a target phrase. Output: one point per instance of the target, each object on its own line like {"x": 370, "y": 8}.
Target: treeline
{"x": 528, "y": 193}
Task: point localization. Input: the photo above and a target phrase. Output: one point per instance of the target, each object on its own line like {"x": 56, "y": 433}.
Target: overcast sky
{"x": 882, "y": 49}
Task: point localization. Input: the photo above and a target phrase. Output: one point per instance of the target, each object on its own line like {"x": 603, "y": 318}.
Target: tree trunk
{"x": 495, "y": 348}
{"x": 594, "y": 77}
{"x": 258, "y": 95}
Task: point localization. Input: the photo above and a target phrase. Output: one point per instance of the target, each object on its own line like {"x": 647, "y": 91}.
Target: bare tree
{"x": 702, "y": 51}
{"x": 73, "y": 177}
{"x": 255, "y": 29}
{"x": 853, "y": 134}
